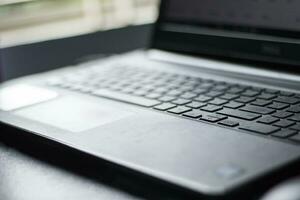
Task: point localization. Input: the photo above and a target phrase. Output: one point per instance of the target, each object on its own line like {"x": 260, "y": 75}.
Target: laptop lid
{"x": 259, "y": 30}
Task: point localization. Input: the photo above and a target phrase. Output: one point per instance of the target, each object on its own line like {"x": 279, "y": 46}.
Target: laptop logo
{"x": 229, "y": 171}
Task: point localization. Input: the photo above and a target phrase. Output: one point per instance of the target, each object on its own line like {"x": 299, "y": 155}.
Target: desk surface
{"x": 23, "y": 177}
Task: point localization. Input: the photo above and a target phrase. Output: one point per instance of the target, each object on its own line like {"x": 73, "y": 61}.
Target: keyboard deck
{"x": 268, "y": 112}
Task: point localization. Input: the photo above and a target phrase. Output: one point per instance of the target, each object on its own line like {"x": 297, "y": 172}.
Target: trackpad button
{"x": 73, "y": 114}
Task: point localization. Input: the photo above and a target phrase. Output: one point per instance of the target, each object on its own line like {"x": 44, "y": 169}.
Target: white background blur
{"x": 27, "y": 21}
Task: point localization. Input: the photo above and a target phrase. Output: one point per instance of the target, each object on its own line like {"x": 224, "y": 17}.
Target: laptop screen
{"x": 264, "y": 30}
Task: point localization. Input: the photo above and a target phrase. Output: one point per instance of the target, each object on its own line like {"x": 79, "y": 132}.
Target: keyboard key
{"x": 218, "y": 101}
{"x": 284, "y": 123}
{"x": 289, "y": 100}
{"x": 229, "y": 96}
{"x": 147, "y": 86}
{"x": 167, "y": 98}
{"x": 140, "y": 92}
{"x": 235, "y": 90}
{"x": 243, "y": 99}
{"x": 268, "y": 120}
{"x": 126, "y": 98}
{"x": 282, "y": 114}
{"x": 212, "y": 117}
{"x": 295, "y": 118}
{"x": 271, "y": 91}
{"x": 181, "y": 101}
{"x": 164, "y": 106}
{"x": 199, "y": 91}
{"x": 258, "y": 89}
{"x": 295, "y": 127}
{"x": 250, "y": 93}
{"x": 128, "y": 90}
{"x": 188, "y": 95}
{"x": 174, "y": 92}
{"x": 153, "y": 95}
{"x": 229, "y": 123}
{"x": 266, "y": 96}
{"x": 203, "y": 98}
{"x": 284, "y": 133}
{"x": 238, "y": 114}
{"x": 295, "y": 138}
{"x": 193, "y": 114}
{"x": 211, "y": 108}
{"x": 233, "y": 105}
{"x": 196, "y": 104}
{"x": 214, "y": 93}
{"x": 278, "y": 106}
{"x": 285, "y": 93}
{"x": 179, "y": 110}
{"x": 294, "y": 109}
{"x": 257, "y": 109}
{"x": 160, "y": 90}
{"x": 261, "y": 102}
{"x": 185, "y": 88}
{"x": 259, "y": 128}
{"x": 206, "y": 85}
{"x": 220, "y": 88}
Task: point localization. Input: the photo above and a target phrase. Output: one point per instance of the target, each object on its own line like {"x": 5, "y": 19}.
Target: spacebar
{"x": 141, "y": 101}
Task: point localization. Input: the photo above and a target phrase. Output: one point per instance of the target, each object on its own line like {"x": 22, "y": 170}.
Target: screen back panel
{"x": 259, "y": 30}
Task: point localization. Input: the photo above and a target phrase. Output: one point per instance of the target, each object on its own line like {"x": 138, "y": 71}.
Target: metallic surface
{"x": 203, "y": 158}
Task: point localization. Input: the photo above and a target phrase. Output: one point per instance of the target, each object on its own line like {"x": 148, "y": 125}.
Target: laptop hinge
{"x": 222, "y": 66}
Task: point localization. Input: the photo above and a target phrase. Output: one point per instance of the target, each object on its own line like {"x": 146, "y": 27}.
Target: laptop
{"x": 211, "y": 106}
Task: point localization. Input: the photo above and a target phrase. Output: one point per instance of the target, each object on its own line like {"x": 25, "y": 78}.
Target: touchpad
{"x": 73, "y": 114}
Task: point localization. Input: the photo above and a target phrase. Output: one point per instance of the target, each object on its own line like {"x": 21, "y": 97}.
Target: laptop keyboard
{"x": 268, "y": 112}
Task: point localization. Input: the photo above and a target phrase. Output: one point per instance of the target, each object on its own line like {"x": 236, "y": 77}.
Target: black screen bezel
{"x": 236, "y": 48}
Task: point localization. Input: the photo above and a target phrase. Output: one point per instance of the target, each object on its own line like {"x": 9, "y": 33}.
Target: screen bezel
{"x": 237, "y": 46}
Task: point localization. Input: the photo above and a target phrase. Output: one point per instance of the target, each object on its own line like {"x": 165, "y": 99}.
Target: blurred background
{"x": 29, "y": 21}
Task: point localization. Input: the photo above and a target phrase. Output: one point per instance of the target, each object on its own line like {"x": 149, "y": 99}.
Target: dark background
{"x": 282, "y": 15}
{"x": 32, "y": 58}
